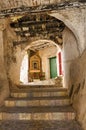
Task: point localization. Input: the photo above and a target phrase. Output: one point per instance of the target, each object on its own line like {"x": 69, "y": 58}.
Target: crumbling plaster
{"x": 13, "y": 56}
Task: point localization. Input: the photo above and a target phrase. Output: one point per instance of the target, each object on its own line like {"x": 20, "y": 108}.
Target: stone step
{"x": 37, "y": 113}
{"x": 40, "y": 88}
{"x": 39, "y": 92}
{"x": 38, "y": 101}
{"x": 39, "y": 125}
{"x": 26, "y": 86}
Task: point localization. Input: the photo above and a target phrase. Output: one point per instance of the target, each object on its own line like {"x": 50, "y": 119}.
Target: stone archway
{"x": 74, "y": 38}
{"x": 50, "y": 37}
{"x": 45, "y": 49}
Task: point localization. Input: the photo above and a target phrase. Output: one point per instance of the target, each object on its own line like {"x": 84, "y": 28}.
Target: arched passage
{"x": 46, "y": 50}
{"x": 55, "y": 36}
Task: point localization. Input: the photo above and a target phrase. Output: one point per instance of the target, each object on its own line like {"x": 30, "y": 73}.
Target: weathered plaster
{"x": 4, "y": 85}
{"x": 70, "y": 53}
{"x": 13, "y": 56}
{"x": 78, "y": 81}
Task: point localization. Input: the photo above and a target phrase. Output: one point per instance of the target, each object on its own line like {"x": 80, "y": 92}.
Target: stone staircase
{"x": 38, "y": 107}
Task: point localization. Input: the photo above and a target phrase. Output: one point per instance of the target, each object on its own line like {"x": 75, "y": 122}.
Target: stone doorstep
{"x": 37, "y": 116}
{"x": 36, "y": 102}
{"x": 37, "y": 94}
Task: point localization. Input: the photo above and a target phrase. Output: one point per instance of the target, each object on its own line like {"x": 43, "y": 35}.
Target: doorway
{"x": 53, "y": 67}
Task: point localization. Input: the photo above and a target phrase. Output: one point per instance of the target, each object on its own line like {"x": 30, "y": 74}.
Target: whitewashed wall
{"x": 45, "y": 54}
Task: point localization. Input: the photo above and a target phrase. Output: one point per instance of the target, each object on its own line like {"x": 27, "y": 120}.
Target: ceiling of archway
{"x": 38, "y": 25}
{"x": 41, "y": 44}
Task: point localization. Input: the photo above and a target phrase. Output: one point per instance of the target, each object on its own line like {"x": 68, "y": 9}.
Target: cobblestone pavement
{"x": 39, "y": 125}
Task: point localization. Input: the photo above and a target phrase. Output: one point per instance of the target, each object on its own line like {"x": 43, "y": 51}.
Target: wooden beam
{"x": 35, "y": 23}
{"x": 19, "y": 42}
{"x": 38, "y": 31}
{"x": 41, "y": 21}
{"x": 40, "y": 45}
{"x": 48, "y": 34}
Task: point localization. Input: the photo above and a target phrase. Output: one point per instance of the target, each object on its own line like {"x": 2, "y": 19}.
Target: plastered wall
{"x": 45, "y": 54}
{"x": 75, "y": 75}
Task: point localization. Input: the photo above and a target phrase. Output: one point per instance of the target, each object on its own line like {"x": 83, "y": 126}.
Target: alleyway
{"x": 41, "y": 40}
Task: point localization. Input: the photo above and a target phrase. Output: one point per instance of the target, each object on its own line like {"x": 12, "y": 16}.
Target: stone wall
{"x": 75, "y": 74}
{"x": 4, "y": 85}
{"x": 78, "y": 87}
{"x": 75, "y": 58}
{"x": 13, "y": 56}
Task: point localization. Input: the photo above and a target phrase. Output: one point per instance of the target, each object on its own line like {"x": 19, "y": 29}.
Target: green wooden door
{"x": 53, "y": 67}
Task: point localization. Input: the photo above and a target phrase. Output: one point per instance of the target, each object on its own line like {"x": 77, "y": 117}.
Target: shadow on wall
{"x": 4, "y": 90}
